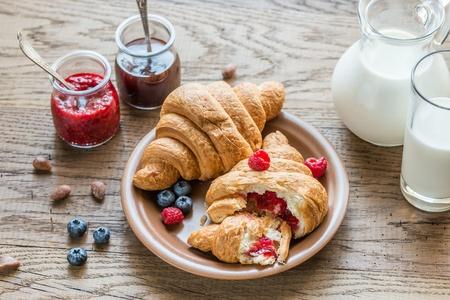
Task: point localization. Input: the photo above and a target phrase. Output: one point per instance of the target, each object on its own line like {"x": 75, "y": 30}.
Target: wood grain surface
{"x": 385, "y": 249}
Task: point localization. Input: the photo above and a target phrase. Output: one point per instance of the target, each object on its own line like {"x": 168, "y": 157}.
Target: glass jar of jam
{"x": 89, "y": 115}
{"x": 145, "y": 77}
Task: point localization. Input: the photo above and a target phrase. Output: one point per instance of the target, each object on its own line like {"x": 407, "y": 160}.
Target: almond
{"x": 41, "y": 163}
{"x": 8, "y": 263}
{"x": 61, "y": 192}
{"x": 98, "y": 190}
{"x": 229, "y": 71}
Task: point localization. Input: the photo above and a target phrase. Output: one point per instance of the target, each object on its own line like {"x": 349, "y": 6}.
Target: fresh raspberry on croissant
{"x": 286, "y": 190}
{"x": 205, "y": 130}
{"x": 245, "y": 238}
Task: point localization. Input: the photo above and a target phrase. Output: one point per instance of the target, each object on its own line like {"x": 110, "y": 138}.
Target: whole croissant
{"x": 245, "y": 238}
{"x": 286, "y": 189}
{"x": 205, "y": 130}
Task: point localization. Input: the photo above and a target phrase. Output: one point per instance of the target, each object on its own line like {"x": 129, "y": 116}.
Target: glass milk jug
{"x": 371, "y": 81}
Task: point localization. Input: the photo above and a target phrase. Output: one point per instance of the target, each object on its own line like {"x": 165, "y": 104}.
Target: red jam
{"x": 86, "y": 120}
{"x": 271, "y": 203}
{"x": 263, "y": 246}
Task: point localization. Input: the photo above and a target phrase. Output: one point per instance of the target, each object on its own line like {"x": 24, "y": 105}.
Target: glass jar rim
{"x": 137, "y": 18}
{"x": 364, "y": 22}
{"x": 413, "y": 82}
{"x": 81, "y": 53}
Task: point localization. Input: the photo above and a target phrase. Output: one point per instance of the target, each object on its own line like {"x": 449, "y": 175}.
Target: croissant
{"x": 287, "y": 189}
{"x": 245, "y": 238}
{"x": 205, "y": 130}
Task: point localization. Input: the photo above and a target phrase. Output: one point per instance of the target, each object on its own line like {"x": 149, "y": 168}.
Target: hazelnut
{"x": 229, "y": 71}
{"x": 61, "y": 192}
{"x": 8, "y": 263}
{"x": 98, "y": 190}
{"x": 41, "y": 163}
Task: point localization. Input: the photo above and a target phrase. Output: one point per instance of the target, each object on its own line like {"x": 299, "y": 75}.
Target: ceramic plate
{"x": 169, "y": 243}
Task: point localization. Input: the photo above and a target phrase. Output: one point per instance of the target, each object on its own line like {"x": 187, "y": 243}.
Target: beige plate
{"x": 169, "y": 243}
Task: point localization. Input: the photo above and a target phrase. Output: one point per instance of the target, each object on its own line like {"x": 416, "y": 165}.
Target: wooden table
{"x": 384, "y": 249}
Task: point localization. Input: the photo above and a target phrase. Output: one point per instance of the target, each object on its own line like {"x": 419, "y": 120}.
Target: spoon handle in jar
{"x": 29, "y": 52}
{"x": 142, "y": 5}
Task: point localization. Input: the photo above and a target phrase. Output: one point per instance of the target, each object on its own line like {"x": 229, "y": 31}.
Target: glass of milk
{"x": 425, "y": 178}
{"x": 371, "y": 81}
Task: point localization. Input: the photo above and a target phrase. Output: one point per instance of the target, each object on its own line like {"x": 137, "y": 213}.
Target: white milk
{"x": 371, "y": 87}
{"x": 426, "y": 154}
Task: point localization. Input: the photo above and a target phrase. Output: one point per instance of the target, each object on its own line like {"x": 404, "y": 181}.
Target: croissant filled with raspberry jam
{"x": 286, "y": 190}
{"x": 245, "y": 238}
{"x": 205, "y": 130}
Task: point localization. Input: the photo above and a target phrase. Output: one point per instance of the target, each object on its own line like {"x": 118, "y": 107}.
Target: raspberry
{"x": 171, "y": 215}
{"x": 253, "y": 197}
{"x": 290, "y": 219}
{"x": 259, "y": 161}
{"x": 318, "y": 166}
{"x": 264, "y": 246}
{"x": 270, "y": 202}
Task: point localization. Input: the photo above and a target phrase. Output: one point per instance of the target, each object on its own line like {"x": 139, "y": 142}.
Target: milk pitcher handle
{"x": 444, "y": 31}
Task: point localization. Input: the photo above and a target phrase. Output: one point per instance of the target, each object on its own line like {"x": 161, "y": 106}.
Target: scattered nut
{"x": 61, "y": 192}
{"x": 229, "y": 71}
{"x": 203, "y": 220}
{"x": 41, "y": 163}
{"x": 8, "y": 263}
{"x": 98, "y": 190}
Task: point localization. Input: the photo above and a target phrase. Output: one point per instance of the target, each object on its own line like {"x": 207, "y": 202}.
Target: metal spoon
{"x": 142, "y": 5}
{"x": 29, "y": 52}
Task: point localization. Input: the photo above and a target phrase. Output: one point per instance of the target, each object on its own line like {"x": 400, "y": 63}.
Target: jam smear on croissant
{"x": 263, "y": 246}
{"x": 271, "y": 203}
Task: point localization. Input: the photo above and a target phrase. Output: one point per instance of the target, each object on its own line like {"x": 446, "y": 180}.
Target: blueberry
{"x": 76, "y": 228}
{"x": 182, "y": 188}
{"x": 101, "y": 235}
{"x": 165, "y": 198}
{"x": 184, "y": 203}
{"x": 77, "y": 256}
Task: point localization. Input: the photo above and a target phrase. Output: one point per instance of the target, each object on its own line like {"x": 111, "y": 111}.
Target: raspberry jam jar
{"x": 145, "y": 78}
{"x": 89, "y": 115}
